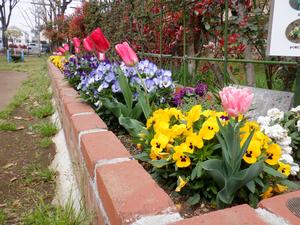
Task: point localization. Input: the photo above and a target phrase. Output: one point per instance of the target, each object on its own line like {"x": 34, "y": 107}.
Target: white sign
{"x": 284, "y": 28}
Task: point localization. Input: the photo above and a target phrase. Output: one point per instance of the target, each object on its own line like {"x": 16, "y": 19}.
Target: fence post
{"x": 8, "y": 57}
{"x": 297, "y": 86}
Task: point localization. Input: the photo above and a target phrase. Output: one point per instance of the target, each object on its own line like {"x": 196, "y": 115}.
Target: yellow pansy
{"x": 262, "y": 138}
{"x": 247, "y": 128}
{"x": 180, "y": 184}
{"x": 268, "y": 193}
{"x": 278, "y": 188}
{"x": 181, "y": 159}
{"x": 183, "y": 147}
{"x": 284, "y": 168}
{"x": 223, "y": 117}
{"x": 194, "y": 140}
{"x": 177, "y": 130}
{"x": 193, "y": 115}
{"x": 149, "y": 122}
{"x": 176, "y": 113}
{"x": 253, "y": 151}
{"x": 273, "y": 154}
{"x": 209, "y": 113}
{"x": 159, "y": 141}
{"x": 209, "y": 128}
{"x": 161, "y": 126}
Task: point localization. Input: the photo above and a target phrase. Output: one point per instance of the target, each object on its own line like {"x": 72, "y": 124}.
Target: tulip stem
{"x": 144, "y": 86}
{"x": 143, "y": 83}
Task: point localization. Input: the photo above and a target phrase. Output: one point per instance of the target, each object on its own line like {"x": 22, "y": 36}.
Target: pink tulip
{"x": 66, "y": 47}
{"x": 59, "y": 53}
{"x": 76, "y": 42}
{"x": 236, "y": 101}
{"x": 128, "y": 56}
{"x": 77, "y": 50}
{"x": 101, "y": 56}
{"x": 62, "y": 50}
{"x": 88, "y": 44}
{"x": 100, "y": 41}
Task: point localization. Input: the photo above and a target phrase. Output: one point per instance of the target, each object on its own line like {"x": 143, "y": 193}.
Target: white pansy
{"x": 285, "y": 141}
{"x": 298, "y": 125}
{"x": 275, "y": 114}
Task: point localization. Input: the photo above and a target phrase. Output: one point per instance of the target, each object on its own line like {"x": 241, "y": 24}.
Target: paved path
{"x": 9, "y": 84}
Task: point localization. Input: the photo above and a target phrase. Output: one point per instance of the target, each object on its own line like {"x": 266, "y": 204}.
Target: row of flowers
{"x": 218, "y": 155}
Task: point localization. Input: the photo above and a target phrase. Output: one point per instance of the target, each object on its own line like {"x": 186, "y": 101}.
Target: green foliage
{"x": 47, "y": 214}
{"x": 227, "y": 171}
{"x": 2, "y": 217}
{"x": 45, "y": 129}
{"x": 35, "y": 173}
{"x": 45, "y": 142}
{"x": 7, "y": 126}
{"x": 42, "y": 111}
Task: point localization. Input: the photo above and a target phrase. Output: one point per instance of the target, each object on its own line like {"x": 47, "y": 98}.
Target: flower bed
{"x": 205, "y": 154}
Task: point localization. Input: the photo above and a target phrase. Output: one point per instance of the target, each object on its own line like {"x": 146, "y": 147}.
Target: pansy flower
{"x": 268, "y": 193}
{"x": 284, "y": 168}
{"x": 180, "y": 184}
{"x": 209, "y": 128}
{"x": 253, "y": 151}
{"x": 273, "y": 154}
{"x": 193, "y": 115}
{"x": 181, "y": 159}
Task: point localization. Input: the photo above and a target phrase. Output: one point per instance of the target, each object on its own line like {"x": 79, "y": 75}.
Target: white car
{"x": 33, "y": 48}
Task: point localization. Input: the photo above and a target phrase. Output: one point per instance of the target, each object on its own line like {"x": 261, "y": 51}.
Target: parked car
{"x": 33, "y": 48}
{"x": 45, "y": 48}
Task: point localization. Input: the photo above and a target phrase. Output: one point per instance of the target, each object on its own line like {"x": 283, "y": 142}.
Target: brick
{"x": 76, "y": 107}
{"x": 128, "y": 191}
{"x": 68, "y": 91}
{"x": 101, "y": 146}
{"x": 277, "y": 205}
{"x": 238, "y": 215}
{"x": 81, "y": 123}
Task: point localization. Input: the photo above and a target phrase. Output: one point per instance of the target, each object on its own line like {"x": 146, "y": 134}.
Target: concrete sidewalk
{"x": 9, "y": 84}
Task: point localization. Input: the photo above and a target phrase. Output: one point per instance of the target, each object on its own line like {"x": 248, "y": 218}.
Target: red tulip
{"x": 88, "y": 44}
{"x": 66, "y": 47}
{"x": 100, "y": 41}
{"x": 77, "y": 50}
{"x": 128, "y": 56}
{"x": 62, "y": 50}
{"x": 76, "y": 42}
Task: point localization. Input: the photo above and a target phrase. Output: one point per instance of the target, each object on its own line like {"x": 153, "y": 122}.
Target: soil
{"x": 185, "y": 210}
{"x": 21, "y": 159}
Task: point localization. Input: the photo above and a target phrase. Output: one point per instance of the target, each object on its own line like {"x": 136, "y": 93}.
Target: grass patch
{"x": 46, "y": 129}
{"x": 7, "y": 126}
{"x": 45, "y": 142}
{"x": 2, "y": 217}
{"x": 43, "y": 111}
{"x": 48, "y": 214}
{"x": 34, "y": 87}
{"x": 34, "y": 173}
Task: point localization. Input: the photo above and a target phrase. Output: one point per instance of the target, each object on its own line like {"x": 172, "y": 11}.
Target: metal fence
{"x": 225, "y": 59}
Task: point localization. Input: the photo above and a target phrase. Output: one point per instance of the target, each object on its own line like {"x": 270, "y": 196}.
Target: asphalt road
{"x": 9, "y": 84}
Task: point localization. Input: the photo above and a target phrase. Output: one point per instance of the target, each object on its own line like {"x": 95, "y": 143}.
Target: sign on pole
{"x": 284, "y": 28}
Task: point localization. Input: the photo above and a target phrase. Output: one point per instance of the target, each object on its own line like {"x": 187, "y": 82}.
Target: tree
{"x": 13, "y": 33}
{"x": 5, "y": 17}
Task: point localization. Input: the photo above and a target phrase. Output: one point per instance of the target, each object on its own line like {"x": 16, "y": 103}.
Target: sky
{"x": 23, "y": 9}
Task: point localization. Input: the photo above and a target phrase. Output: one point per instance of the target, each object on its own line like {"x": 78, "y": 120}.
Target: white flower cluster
{"x": 271, "y": 127}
